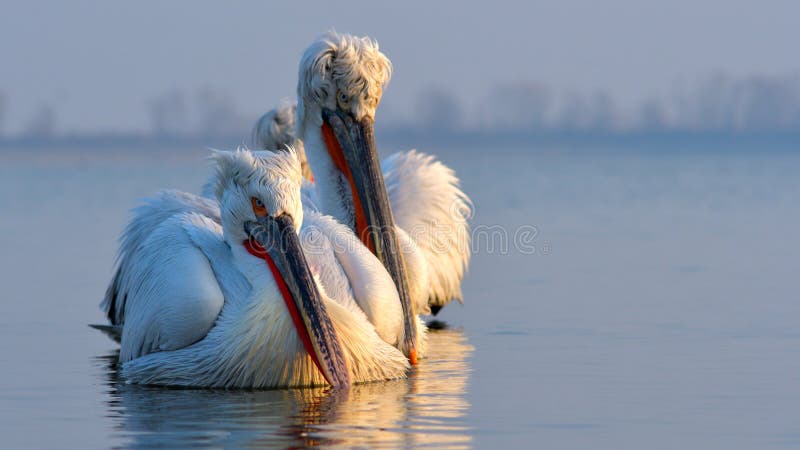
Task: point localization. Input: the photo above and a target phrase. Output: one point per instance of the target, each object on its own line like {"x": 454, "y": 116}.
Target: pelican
{"x": 235, "y": 305}
{"x": 275, "y": 130}
{"x": 414, "y": 203}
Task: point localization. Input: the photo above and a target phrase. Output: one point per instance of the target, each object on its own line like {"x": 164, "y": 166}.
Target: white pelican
{"x": 236, "y": 305}
{"x": 340, "y": 83}
{"x": 274, "y": 131}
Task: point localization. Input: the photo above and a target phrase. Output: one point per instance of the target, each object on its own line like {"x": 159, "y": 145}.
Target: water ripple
{"x": 427, "y": 409}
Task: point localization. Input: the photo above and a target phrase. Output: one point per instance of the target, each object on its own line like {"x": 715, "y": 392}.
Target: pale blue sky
{"x": 99, "y": 62}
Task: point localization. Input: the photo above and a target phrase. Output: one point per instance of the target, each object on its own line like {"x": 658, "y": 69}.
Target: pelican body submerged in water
{"x": 236, "y": 305}
{"x": 424, "y": 245}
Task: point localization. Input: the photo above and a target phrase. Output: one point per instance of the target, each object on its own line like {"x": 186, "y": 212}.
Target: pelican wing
{"x": 429, "y": 205}
{"x": 165, "y": 294}
{"x": 146, "y": 218}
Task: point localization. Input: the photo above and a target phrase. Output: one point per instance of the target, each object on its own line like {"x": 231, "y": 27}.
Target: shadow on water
{"x": 428, "y": 408}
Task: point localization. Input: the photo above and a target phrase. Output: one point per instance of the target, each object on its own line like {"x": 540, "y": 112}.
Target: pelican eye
{"x": 342, "y": 99}
{"x": 259, "y": 208}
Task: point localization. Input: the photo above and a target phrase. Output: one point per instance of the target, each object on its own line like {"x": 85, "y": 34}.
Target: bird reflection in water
{"x": 428, "y": 408}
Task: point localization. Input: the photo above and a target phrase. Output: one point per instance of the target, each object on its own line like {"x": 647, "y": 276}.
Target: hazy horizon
{"x": 89, "y": 67}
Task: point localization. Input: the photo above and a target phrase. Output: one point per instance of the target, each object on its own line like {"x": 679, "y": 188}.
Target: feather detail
{"x": 429, "y": 205}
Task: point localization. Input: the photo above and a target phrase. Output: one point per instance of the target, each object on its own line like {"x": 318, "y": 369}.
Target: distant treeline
{"x": 718, "y": 104}
{"x": 391, "y": 139}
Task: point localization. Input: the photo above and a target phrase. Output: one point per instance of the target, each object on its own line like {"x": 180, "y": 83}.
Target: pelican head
{"x": 340, "y": 84}
{"x": 260, "y": 209}
{"x": 341, "y": 72}
{"x": 275, "y": 131}
{"x": 246, "y": 181}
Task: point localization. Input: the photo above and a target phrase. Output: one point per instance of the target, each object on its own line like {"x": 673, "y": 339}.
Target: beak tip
{"x": 412, "y": 356}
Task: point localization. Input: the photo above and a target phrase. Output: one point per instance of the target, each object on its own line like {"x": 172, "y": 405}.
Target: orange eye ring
{"x": 258, "y": 207}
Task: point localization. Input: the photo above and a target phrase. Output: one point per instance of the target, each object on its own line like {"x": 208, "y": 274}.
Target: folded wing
{"x": 429, "y": 205}
{"x": 165, "y": 294}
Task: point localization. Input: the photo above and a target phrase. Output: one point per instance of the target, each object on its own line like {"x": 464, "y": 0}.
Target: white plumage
{"x": 352, "y": 275}
{"x": 429, "y": 205}
{"x": 196, "y": 309}
{"x": 146, "y": 220}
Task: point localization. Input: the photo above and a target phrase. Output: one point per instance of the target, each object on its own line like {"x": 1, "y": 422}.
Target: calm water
{"x": 653, "y": 304}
